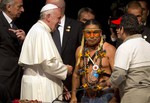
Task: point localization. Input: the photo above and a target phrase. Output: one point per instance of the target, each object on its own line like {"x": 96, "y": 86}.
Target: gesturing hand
{"x": 19, "y": 33}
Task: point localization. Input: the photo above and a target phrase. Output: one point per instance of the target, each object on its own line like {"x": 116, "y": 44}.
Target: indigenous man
{"x": 95, "y": 60}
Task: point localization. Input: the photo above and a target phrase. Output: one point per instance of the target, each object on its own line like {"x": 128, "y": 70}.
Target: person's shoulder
{"x": 39, "y": 26}
{"x": 79, "y": 48}
{"x": 109, "y": 46}
{"x": 2, "y": 18}
{"x": 78, "y": 51}
{"x": 106, "y": 44}
{"x": 37, "y": 29}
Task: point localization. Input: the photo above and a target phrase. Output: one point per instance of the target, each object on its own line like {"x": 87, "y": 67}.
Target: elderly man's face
{"x": 145, "y": 12}
{"x": 86, "y": 16}
{"x": 137, "y": 13}
{"x": 15, "y": 9}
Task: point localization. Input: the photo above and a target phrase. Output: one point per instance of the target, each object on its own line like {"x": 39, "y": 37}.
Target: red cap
{"x": 117, "y": 21}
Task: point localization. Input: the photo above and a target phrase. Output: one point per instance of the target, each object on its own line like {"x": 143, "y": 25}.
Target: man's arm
{"x": 117, "y": 77}
{"x": 75, "y": 80}
{"x": 111, "y": 50}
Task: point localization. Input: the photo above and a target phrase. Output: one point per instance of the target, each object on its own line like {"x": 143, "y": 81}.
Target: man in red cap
{"x": 132, "y": 63}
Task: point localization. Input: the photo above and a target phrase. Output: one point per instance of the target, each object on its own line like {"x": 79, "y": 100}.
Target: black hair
{"x": 93, "y": 21}
{"x": 130, "y": 24}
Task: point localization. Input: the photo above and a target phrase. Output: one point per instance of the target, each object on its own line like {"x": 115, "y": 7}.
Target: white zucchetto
{"x": 48, "y": 7}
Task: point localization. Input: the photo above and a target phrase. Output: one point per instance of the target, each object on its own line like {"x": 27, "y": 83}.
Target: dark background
{"x": 102, "y": 10}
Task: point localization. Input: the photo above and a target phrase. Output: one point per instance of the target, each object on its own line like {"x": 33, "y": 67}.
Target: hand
{"x": 70, "y": 69}
{"x": 113, "y": 100}
{"x": 112, "y": 36}
{"x": 19, "y": 33}
{"x": 108, "y": 83}
{"x": 67, "y": 94}
{"x": 73, "y": 100}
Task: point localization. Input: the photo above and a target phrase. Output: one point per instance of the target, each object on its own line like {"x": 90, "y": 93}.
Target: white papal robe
{"x": 42, "y": 64}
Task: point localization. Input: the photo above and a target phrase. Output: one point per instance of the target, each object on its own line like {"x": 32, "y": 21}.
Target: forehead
{"x": 87, "y": 15}
{"x": 59, "y": 3}
{"x": 92, "y": 26}
{"x": 58, "y": 11}
{"x": 18, "y": 1}
{"x": 135, "y": 12}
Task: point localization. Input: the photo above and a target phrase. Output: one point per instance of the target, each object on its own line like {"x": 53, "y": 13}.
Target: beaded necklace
{"x": 96, "y": 72}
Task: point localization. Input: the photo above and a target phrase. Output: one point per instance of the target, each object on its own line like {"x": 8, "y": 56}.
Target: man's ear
{"x": 122, "y": 30}
{"x": 8, "y": 7}
{"x": 48, "y": 16}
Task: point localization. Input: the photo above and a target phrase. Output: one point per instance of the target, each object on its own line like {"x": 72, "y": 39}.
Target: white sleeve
{"x": 55, "y": 68}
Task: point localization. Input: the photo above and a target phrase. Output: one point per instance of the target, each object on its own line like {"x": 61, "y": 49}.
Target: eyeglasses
{"x": 92, "y": 32}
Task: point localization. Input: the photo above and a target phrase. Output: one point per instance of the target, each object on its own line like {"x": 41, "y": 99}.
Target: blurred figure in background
{"x": 145, "y": 13}
{"x": 135, "y": 8}
{"x": 85, "y": 14}
{"x": 117, "y": 10}
{"x": 145, "y": 20}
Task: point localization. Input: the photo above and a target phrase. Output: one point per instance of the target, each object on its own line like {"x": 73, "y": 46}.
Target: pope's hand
{"x": 70, "y": 69}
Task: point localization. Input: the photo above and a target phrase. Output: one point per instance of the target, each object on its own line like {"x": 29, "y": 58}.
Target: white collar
{"x": 7, "y": 17}
{"x": 62, "y": 21}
